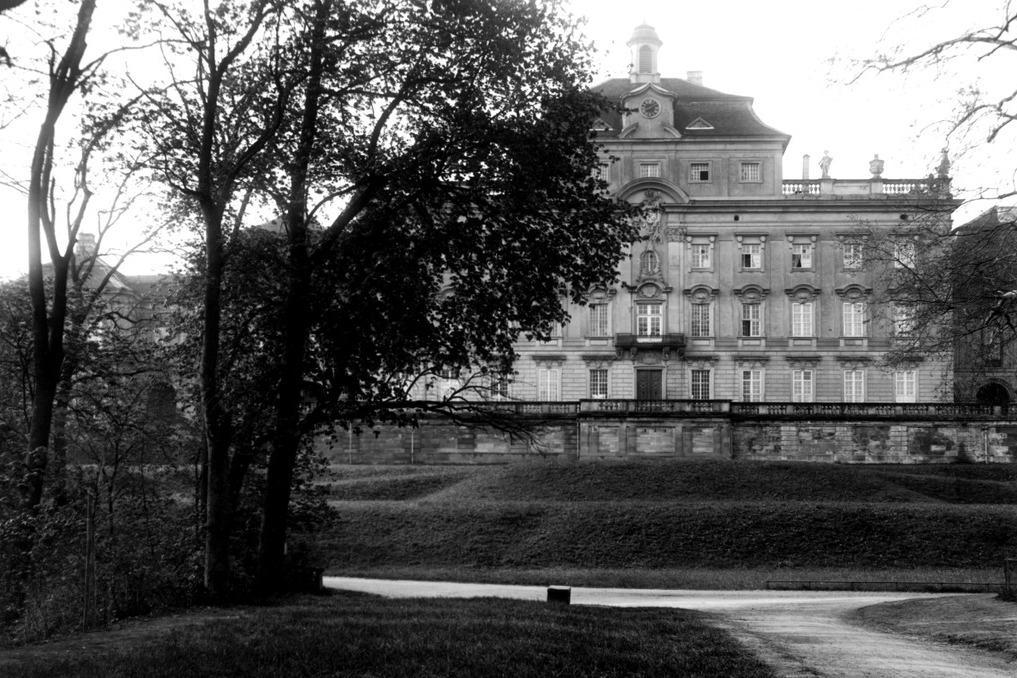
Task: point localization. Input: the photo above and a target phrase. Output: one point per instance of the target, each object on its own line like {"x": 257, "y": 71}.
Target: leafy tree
{"x": 476, "y": 162}
{"x": 434, "y": 172}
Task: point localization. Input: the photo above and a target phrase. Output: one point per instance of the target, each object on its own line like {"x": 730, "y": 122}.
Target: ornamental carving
{"x": 648, "y": 291}
{"x": 653, "y": 218}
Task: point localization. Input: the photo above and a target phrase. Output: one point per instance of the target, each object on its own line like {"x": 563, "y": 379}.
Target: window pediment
{"x": 802, "y": 293}
{"x": 751, "y": 292}
{"x": 701, "y": 294}
{"x": 853, "y": 292}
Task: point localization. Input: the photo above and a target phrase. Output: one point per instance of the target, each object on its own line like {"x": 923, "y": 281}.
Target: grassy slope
{"x": 348, "y": 635}
{"x": 623, "y": 516}
{"x": 985, "y": 622}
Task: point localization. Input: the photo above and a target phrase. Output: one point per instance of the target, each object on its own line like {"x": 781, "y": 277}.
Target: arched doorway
{"x": 993, "y": 393}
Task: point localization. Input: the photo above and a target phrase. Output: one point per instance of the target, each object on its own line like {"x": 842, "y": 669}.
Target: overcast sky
{"x": 795, "y": 58}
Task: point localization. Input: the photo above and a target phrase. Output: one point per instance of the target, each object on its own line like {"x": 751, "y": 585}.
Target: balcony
{"x": 670, "y": 345}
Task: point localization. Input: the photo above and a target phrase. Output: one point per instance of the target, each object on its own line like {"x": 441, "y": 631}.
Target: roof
{"x": 998, "y": 215}
{"x": 727, "y": 114}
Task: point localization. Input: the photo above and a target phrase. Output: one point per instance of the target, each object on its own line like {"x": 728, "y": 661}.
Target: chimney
{"x": 85, "y": 246}
{"x": 805, "y": 167}
{"x": 695, "y": 77}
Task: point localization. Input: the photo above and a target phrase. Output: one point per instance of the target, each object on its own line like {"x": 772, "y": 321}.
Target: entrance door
{"x": 649, "y": 384}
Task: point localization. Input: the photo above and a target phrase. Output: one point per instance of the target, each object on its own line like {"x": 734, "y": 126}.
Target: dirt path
{"x": 798, "y": 633}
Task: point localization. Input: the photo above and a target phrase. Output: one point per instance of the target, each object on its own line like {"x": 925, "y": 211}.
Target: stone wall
{"x": 719, "y": 432}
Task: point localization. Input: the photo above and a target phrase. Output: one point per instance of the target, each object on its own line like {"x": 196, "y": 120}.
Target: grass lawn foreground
{"x": 357, "y": 635}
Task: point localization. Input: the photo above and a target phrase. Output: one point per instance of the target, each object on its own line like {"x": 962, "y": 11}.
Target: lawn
{"x": 706, "y": 524}
{"x": 352, "y": 635}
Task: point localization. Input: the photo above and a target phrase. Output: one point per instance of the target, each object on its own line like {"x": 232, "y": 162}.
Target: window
{"x": 992, "y": 346}
{"x": 649, "y": 320}
{"x": 599, "y": 325}
{"x": 750, "y": 172}
{"x": 701, "y": 255}
{"x": 802, "y": 386}
{"x": 598, "y": 383}
{"x": 854, "y": 319}
{"x": 752, "y": 256}
{"x": 448, "y": 384}
{"x": 700, "y": 381}
{"x": 699, "y": 172}
{"x": 904, "y": 254}
{"x": 752, "y": 320}
{"x": 557, "y": 332}
{"x": 903, "y": 320}
{"x": 905, "y": 386}
{"x": 801, "y": 319}
{"x": 853, "y": 258}
{"x": 500, "y": 388}
{"x": 801, "y": 255}
{"x": 752, "y": 385}
{"x": 700, "y": 326}
{"x": 649, "y": 169}
{"x": 548, "y": 383}
{"x": 854, "y": 386}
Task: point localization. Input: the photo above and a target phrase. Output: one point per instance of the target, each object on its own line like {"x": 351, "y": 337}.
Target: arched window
{"x": 646, "y": 59}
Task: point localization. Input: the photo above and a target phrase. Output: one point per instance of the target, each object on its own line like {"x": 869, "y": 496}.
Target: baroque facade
{"x": 746, "y": 286}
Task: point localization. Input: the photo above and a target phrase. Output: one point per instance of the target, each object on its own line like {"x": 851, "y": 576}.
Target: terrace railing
{"x": 725, "y": 408}
{"x": 868, "y": 410}
{"x": 707, "y": 407}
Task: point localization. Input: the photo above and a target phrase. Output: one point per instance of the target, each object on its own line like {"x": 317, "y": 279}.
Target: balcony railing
{"x": 863, "y": 187}
{"x": 656, "y": 406}
{"x": 801, "y": 187}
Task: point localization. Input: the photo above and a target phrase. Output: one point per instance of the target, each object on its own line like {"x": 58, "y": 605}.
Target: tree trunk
{"x": 218, "y": 509}
{"x": 48, "y": 318}
{"x": 286, "y": 441}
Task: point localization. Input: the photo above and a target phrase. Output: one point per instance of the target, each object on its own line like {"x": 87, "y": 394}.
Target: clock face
{"x": 649, "y": 108}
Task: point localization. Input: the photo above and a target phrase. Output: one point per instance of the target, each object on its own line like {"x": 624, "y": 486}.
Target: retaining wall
{"x": 696, "y": 430}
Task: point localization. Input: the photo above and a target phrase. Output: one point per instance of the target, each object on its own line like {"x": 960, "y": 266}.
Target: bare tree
{"x": 982, "y": 114}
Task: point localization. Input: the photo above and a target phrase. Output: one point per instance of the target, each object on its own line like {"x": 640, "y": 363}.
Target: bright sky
{"x": 779, "y": 52}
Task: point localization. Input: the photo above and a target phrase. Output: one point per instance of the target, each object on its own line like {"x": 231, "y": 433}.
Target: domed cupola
{"x": 644, "y": 44}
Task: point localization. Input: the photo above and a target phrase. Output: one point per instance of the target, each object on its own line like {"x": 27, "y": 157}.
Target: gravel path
{"x": 798, "y": 633}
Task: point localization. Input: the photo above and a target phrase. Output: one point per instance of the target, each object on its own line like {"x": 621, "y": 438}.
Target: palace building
{"x": 746, "y": 286}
